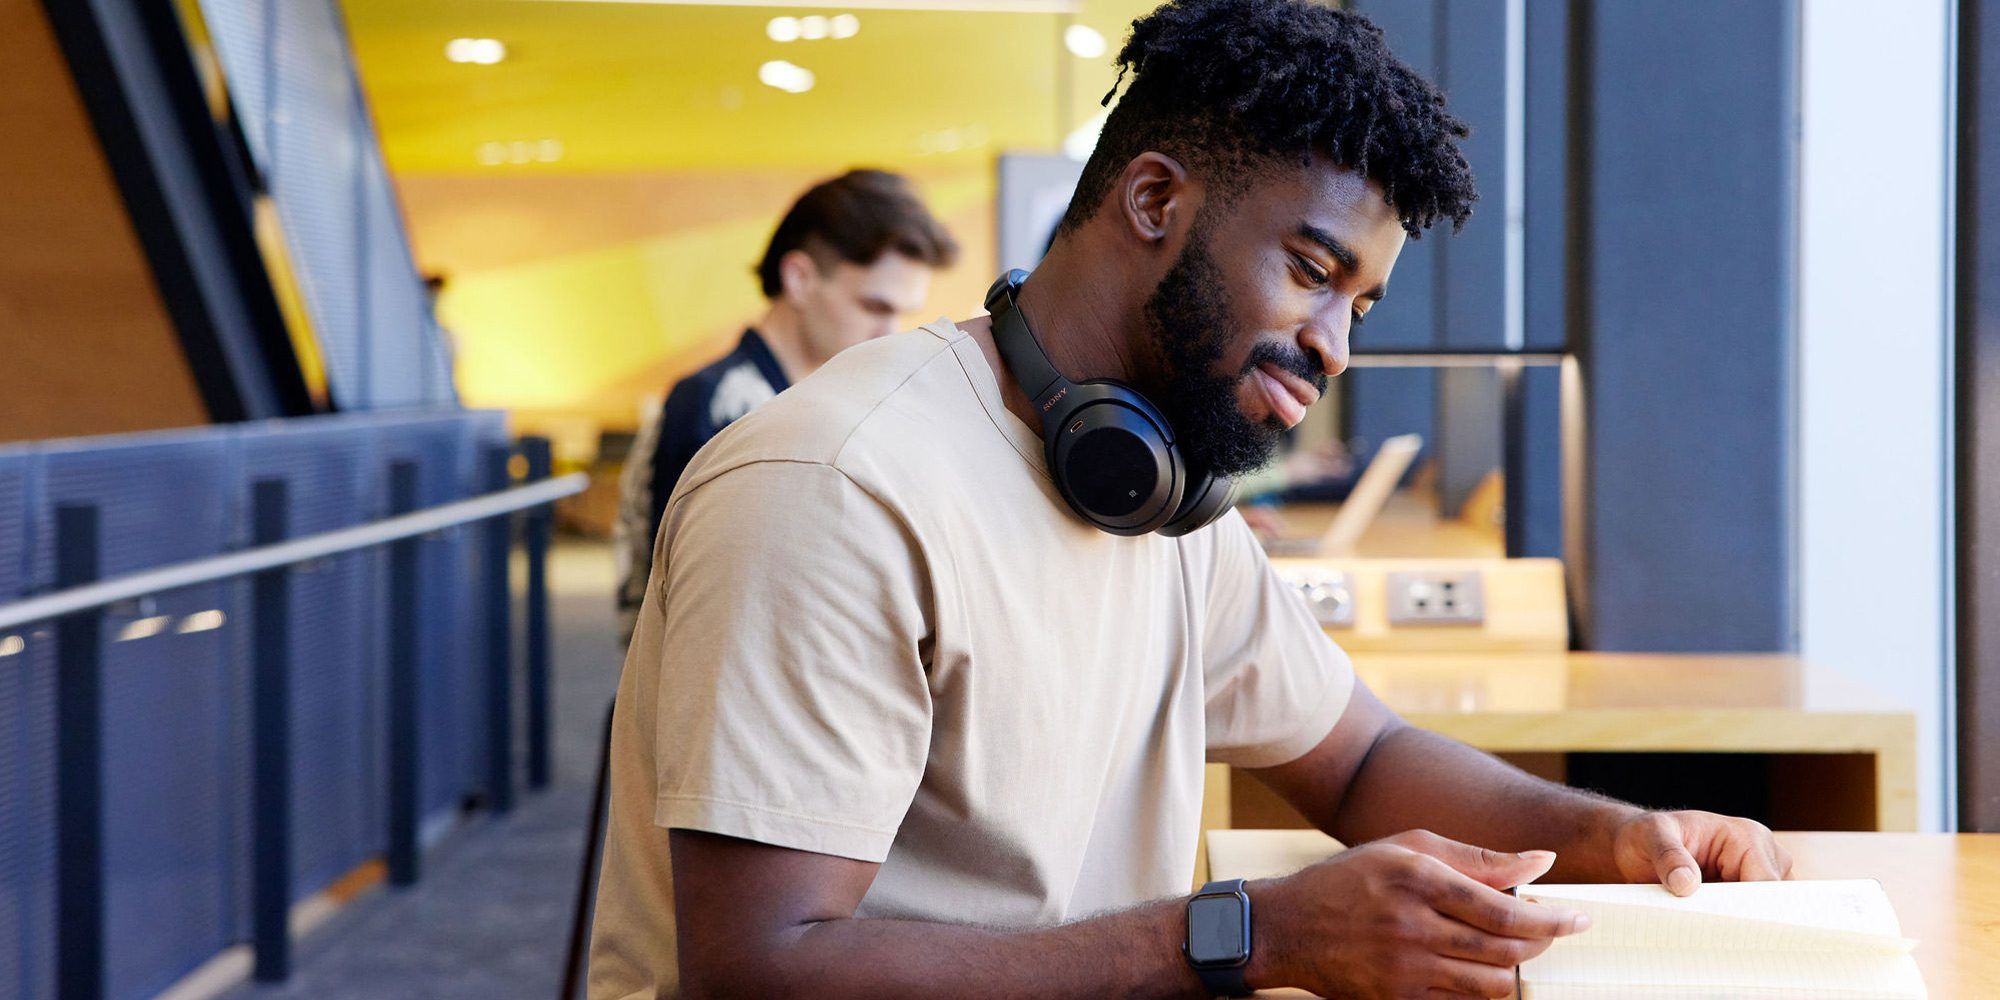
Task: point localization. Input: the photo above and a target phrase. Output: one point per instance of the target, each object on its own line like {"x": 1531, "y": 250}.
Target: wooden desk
{"x": 1408, "y": 526}
{"x": 1847, "y": 762}
{"x": 1946, "y": 889}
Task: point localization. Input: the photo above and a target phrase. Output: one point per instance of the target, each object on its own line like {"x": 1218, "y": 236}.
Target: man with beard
{"x": 913, "y": 711}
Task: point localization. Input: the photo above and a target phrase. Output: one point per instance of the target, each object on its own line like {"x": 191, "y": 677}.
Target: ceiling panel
{"x": 651, "y": 86}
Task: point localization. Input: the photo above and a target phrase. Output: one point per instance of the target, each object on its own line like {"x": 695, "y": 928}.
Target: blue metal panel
{"x": 1385, "y": 402}
{"x": 176, "y": 684}
{"x": 1545, "y": 178}
{"x": 27, "y": 762}
{"x": 1691, "y": 224}
{"x": 409, "y": 366}
{"x": 1414, "y": 311}
{"x": 452, "y": 743}
{"x": 1473, "y": 75}
{"x": 292, "y": 79}
{"x": 1541, "y": 462}
{"x": 316, "y": 159}
{"x": 241, "y": 32}
{"x": 337, "y": 779}
{"x": 175, "y": 710}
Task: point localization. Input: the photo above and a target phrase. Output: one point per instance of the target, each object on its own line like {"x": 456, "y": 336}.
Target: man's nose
{"x": 1326, "y": 343}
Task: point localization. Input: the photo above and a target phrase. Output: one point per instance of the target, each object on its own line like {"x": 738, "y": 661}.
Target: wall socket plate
{"x": 1436, "y": 597}
{"x": 1328, "y": 592}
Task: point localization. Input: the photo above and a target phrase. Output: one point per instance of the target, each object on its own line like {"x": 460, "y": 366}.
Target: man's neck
{"x": 782, "y": 332}
{"x": 1082, "y": 324}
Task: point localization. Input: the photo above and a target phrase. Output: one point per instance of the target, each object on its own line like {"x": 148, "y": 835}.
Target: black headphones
{"x": 1109, "y": 449}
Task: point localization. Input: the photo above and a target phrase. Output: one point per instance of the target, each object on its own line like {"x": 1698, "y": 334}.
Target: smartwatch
{"x": 1218, "y": 937}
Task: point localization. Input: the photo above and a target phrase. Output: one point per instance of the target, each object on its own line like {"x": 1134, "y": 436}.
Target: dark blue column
{"x": 540, "y": 527}
{"x": 498, "y": 536}
{"x": 79, "y": 763}
{"x": 405, "y": 688}
{"x": 1686, "y": 164}
{"x": 271, "y": 699}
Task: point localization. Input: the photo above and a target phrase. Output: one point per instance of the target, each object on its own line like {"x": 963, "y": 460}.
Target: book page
{"x": 1824, "y": 915}
{"x": 1576, "y": 972}
{"x": 1838, "y": 940}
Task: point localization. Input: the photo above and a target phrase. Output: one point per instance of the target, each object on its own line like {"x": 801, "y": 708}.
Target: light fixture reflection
{"x": 202, "y": 621}
{"x": 144, "y": 628}
{"x": 1083, "y": 41}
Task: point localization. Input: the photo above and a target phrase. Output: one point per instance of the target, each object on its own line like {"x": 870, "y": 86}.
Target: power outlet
{"x": 1436, "y": 598}
{"x": 1329, "y": 593}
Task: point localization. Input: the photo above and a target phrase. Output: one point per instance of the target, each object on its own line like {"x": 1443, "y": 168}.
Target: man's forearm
{"x": 1414, "y": 779}
{"x": 1131, "y": 953}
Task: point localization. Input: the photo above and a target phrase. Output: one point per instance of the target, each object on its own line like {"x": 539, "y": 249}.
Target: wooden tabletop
{"x": 1662, "y": 703}
{"x": 1945, "y": 887}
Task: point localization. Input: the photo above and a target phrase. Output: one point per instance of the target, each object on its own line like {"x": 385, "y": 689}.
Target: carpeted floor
{"x": 490, "y": 918}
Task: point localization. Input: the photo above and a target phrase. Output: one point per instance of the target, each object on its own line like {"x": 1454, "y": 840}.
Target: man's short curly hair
{"x": 1227, "y": 86}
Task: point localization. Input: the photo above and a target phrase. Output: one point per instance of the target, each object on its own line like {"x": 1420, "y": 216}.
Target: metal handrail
{"x": 297, "y": 550}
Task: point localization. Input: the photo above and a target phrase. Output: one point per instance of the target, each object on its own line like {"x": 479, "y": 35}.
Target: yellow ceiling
{"x": 652, "y": 86}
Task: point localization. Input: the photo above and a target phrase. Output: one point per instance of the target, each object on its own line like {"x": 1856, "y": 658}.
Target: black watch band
{"x": 1220, "y": 915}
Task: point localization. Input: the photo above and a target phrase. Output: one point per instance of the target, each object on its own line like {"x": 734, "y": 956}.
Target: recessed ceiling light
{"x": 783, "y": 29}
{"x": 479, "y": 51}
{"x": 1083, "y": 41}
{"x": 844, "y": 25}
{"x": 785, "y": 76}
{"x": 549, "y": 150}
{"x": 492, "y": 154}
{"x": 813, "y": 27}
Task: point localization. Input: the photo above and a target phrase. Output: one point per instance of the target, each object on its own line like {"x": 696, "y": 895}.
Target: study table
{"x": 1945, "y": 887}
{"x": 1839, "y": 758}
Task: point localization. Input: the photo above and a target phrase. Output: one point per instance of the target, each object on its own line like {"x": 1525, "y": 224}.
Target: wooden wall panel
{"x": 86, "y": 346}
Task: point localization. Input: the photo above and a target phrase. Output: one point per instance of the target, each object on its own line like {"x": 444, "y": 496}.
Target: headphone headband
{"x": 1018, "y": 348}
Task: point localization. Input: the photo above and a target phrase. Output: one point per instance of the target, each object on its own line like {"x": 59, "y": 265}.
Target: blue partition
{"x": 175, "y": 704}
{"x": 337, "y": 689}
{"x": 27, "y": 764}
{"x": 177, "y": 687}
{"x": 449, "y": 719}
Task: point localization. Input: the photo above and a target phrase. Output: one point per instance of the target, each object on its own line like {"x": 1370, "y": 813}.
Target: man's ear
{"x": 1154, "y": 194}
{"x": 798, "y": 273}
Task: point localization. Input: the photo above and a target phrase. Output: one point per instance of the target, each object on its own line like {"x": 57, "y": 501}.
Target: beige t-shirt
{"x": 875, "y": 631}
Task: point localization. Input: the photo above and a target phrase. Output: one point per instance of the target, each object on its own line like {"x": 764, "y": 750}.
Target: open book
{"x": 1828, "y": 940}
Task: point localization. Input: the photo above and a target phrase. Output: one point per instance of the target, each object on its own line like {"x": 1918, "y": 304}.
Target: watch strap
{"x": 1225, "y": 981}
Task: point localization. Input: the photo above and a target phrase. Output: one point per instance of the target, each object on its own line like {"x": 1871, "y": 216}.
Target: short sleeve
{"x": 1275, "y": 684}
{"x": 793, "y": 705}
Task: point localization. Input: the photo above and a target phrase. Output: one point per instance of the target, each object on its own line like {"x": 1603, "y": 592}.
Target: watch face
{"x": 1216, "y": 930}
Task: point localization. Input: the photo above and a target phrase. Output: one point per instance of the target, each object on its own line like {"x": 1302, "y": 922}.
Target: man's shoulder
{"x": 860, "y": 402}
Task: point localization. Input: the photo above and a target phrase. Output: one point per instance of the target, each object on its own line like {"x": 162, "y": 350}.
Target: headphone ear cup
{"x": 1205, "y": 499}
{"x": 1112, "y": 464}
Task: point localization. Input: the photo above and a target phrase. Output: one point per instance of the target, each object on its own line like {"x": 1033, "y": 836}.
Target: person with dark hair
{"x": 851, "y": 259}
{"x": 938, "y": 643}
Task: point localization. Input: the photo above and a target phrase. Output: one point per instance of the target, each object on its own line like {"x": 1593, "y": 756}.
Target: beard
{"x": 1189, "y": 317}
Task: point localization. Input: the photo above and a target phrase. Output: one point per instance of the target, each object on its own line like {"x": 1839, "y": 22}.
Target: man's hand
{"x": 1679, "y": 849}
{"x": 1413, "y": 915}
